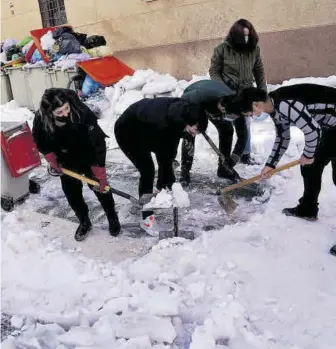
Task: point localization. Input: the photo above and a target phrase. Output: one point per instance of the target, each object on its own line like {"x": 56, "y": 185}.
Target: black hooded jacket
{"x": 78, "y": 145}
{"x": 156, "y": 125}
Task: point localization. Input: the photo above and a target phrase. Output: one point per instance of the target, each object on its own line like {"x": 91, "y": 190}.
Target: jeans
{"x": 248, "y": 146}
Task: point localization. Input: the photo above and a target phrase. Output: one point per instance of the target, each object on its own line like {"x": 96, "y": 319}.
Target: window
{"x": 52, "y": 12}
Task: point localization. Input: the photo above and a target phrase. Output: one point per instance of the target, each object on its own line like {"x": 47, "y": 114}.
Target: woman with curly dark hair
{"x": 237, "y": 63}
{"x": 67, "y": 133}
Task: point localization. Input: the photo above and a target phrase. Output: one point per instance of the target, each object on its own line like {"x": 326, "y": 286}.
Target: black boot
{"x": 114, "y": 224}
{"x": 82, "y": 231}
{"x": 301, "y": 211}
{"x": 227, "y": 173}
{"x": 247, "y": 160}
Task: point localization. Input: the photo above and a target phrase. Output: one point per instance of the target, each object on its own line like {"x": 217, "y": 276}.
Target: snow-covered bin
{"x": 60, "y": 78}
{"x": 19, "y": 156}
{"x": 20, "y": 88}
{"x": 38, "y": 80}
{"x": 6, "y": 90}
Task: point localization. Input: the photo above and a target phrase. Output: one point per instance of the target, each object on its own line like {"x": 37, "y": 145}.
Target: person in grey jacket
{"x": 237, "y": 62}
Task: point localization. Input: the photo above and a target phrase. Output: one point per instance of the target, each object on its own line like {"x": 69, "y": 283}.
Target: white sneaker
{"x": 149, "y": 226}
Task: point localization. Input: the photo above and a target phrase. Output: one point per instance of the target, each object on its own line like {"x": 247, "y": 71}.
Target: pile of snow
{"x": 328, "y": 81}
{"x": 181, "y": 197}
{"x": 12, "y": 112}
{"x": 177, "y": 197}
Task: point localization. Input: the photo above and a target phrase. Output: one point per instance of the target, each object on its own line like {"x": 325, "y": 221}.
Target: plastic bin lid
{"x": 106, "y": 70}
{"x": 8, "y": 125}
{"x": 36, "y": 35}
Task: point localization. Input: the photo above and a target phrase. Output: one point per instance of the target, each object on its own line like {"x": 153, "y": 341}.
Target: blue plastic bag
{"x": 89, "y": 86}
{"x": 36, "y": 56}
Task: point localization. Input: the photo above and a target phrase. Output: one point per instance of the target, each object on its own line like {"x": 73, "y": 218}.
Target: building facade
{"x": 297, "y": 38}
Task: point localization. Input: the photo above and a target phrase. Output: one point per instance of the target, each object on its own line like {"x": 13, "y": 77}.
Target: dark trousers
{"x": 225, "y": 134}
{"x": 143, "y": 161}
{"x": 312, "y": 174}
{"x": 73, "y": 190}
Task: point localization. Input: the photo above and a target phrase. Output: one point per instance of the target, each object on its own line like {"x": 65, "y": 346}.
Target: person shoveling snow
{"x": 64, "y": 130}
{"x": 311, "y": 108}
{"x": 156, "y": 125}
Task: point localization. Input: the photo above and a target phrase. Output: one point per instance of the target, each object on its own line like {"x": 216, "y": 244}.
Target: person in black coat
{"x": 218, "y": 102}
{"x": 156, "y": 126}
{"x": 66, "y": 132}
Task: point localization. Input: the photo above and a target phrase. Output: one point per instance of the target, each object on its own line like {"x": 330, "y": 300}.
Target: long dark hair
{"x": 236, "y": 36}
{"x": 54, "y": 98}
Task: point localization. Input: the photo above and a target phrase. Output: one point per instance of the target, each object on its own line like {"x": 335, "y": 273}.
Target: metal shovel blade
{"x": 227, "y": 203}
{"x": 175, "y": 232}
{"x": 189, "y": 235}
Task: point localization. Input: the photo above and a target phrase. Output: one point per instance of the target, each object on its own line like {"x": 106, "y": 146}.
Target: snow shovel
{"x": 138, "y": 203}
{"x": 90, "y": 181}
{"x": 226, "y": 201}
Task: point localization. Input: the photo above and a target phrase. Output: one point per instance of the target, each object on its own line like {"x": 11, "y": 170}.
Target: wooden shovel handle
{"x": 82, "y": 178}
{"x": 256, "y": 178}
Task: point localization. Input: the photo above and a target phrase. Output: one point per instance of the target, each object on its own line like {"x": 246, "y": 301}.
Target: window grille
{"x": 52, "y": 12}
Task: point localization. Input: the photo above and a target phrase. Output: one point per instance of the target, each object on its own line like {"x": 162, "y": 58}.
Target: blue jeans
{"x": 248, "y": 147}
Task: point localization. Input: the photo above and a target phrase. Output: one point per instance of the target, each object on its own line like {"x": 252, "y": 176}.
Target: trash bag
{"x": 47, "y": 41}
{"x": 13, "y": 50}
{"x": 9, "y": 43}
{"x": 36, "y": 57}
{"x": 26, "y": 40}
{"x": 81, "y": 38}
{"x": 95, "y": 41}
{"x": 89, "y": 86}
{"x": 26, "y": 48}
{"x": 69, "y": 44}
{"x": 100, "y": 51}
{"x": 60, "y": 31}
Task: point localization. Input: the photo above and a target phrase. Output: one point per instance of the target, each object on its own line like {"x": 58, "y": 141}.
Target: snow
{"x": 162, "y": 200}
{"x": 177, "y": 197}
{"x": 181, "y": 197}
{"x": 265, "y": 281}
{"x": 12, "y": 112}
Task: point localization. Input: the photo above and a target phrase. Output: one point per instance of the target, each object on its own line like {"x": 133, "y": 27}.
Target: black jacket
{"x": 77, "y": 145}
{"x": 156, "y": 125}
{"x": 207, "y": 93}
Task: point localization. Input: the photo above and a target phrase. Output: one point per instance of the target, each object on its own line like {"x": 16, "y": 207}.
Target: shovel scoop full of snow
{"x": 176, "y": 198}
{"x": 227, "y": 202}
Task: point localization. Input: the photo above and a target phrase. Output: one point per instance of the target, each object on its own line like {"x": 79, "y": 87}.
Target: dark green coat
{"x": 237, "y": 69}
{"x": 207, "y": 93}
